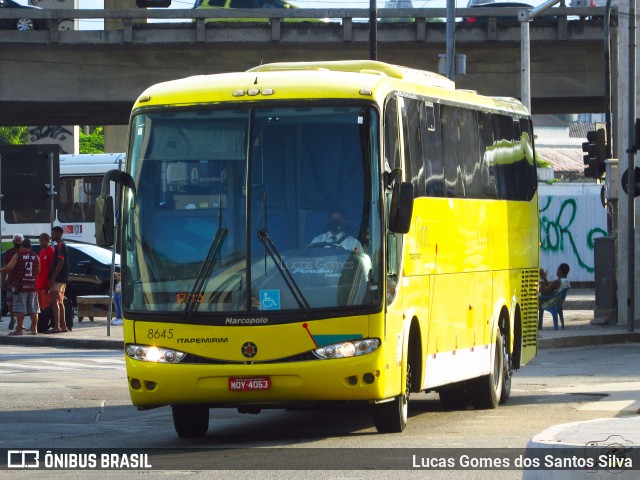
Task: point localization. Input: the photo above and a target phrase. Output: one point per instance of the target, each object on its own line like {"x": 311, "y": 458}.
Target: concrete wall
{"x": 571, "y": 217}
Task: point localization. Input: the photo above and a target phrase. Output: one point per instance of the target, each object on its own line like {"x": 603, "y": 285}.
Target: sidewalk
{"x": 85, "y": 334}
{"x": 579, "y": 331}
{"x": 578, "y": 314}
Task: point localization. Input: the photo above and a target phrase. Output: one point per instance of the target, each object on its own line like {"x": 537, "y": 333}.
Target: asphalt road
{"x": 76, "y": 399}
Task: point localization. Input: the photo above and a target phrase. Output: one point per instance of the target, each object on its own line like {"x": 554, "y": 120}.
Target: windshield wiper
{"x": 193, "y": 300}
{"x": 271, "y": 249}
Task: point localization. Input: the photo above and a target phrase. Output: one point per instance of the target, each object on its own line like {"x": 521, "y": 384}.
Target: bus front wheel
{"x": 392, "y": 417}
{"x": 190, "y": 420}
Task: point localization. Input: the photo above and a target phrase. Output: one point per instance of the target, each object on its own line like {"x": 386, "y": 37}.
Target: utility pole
{"x": 524, "y": 17}
{"x": 451, "y": 40}
{"x": 373, "y": 30}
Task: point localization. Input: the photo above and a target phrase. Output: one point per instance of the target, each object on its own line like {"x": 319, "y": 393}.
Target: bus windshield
{"x": 253, "y": 209}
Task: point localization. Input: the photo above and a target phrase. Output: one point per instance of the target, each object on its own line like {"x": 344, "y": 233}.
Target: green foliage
{"x": 93, "y": 142}
{"x": 14, "y": 135}
{"x": 541, "y": 162}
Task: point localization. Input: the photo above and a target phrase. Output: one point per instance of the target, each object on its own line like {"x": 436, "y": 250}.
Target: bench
{"x": 553, "y": 305}
{"x": 94, "y": 306}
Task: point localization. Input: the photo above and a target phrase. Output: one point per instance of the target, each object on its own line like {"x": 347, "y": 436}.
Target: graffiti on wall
{"x": 53, "y": 134}
{"x": 558, "y": 233}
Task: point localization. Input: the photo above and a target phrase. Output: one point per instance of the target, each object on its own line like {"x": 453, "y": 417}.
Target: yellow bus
{"x": 302, "y": 233}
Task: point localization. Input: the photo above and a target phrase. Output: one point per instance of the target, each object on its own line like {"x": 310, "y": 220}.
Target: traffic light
{"x": 596, "y": 153}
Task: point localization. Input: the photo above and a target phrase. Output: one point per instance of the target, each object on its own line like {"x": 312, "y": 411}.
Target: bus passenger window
{"x": 413, "y": 145}
{"x": 432, "y": 152}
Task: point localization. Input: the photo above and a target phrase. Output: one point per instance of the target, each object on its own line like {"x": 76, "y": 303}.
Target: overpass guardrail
{"x": 162, "y": 26}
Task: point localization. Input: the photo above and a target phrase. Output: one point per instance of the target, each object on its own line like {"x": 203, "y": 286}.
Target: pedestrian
{"x": 117, "y": 299}
{"x": 58, "y": 277}
{"x": 7, "y": 279}
{"x": 557, "y": 285}
{"x": 42, "y": 282}
{"x": 25, "y": 266}
{"x": 551, "y": 296}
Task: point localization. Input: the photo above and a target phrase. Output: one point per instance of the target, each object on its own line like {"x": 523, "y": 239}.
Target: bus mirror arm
{"x": 401, "y": 207}
{"x": 390, "y": 177}
{"x": 120, "y": 177}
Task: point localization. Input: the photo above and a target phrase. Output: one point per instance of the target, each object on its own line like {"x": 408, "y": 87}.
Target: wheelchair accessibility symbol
{"x": 269, "y": 299}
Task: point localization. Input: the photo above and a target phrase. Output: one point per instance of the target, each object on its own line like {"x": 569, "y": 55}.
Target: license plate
{"x": 244, "y": 384}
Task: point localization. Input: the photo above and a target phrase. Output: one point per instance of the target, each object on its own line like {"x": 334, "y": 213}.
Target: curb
{"x": 49, "y": 341}
{"x": 584, "y": 340}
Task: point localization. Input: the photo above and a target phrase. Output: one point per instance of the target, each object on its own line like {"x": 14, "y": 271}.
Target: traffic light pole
{"x": 631, "y": 180}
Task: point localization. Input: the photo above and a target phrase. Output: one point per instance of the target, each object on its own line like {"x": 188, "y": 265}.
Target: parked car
{"x": 89, "y": 269}
{"x": 549, "y": 19}
{"x": 23, "y": 23}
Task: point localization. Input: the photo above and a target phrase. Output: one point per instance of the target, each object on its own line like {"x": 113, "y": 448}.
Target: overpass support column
{"x": 115, "y": 138}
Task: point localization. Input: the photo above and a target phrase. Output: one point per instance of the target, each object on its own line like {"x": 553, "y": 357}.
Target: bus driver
{"x": 335, "y": 234}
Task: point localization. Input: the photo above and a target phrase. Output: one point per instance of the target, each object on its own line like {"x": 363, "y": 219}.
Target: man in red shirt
{"x": 42, "y": 282}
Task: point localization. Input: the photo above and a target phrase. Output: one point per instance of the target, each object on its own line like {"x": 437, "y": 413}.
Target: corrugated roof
{"x": 563, "y": 159}
{"x": 579, "y": 130}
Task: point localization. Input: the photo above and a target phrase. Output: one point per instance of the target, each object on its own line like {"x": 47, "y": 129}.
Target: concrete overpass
{"x": 52, "y": 77}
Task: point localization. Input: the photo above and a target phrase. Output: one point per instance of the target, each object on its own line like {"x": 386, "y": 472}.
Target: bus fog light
{"x": 347, "y": 349}
{"x": 148, "y": 353}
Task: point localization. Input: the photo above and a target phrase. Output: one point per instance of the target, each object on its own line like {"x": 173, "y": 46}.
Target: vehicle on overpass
{"x": 513, "y": 19}
{"x": 307, "y": 233}
{"x": 23, "y": 23}
{"x": 247, "y": 5}
{"x": 80, "y": 184}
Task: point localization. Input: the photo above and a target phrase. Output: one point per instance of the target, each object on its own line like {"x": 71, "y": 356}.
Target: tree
{"x": 92, "y": 142}
{"x": 14, "y": 135}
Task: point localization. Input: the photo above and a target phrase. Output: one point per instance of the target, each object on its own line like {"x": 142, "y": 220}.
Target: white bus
{"x": 80, "y": 184}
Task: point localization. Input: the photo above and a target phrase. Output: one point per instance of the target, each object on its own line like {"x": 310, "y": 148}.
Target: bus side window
{"x": 413, "y": 145}
{"x": 470, "y": 159}
{"x": 487, "y": 155}
{"x": 391, "y": 132}
{"x": 451, "y": 138}
{"x": 432, "y": 151}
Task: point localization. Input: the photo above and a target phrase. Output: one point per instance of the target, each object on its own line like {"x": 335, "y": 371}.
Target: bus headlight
{"x": 149, "y": 353}
{"x": 353, "y": 348}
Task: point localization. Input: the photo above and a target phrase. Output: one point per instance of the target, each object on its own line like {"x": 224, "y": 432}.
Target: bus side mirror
{"x": 401, "y": 207}
{"x": 105, "y": 220}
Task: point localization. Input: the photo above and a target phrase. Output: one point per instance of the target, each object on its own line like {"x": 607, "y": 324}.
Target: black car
{"x": 24, "y": 23}
{"x": 89, "y": 269}
{"x": 549, "y": 19}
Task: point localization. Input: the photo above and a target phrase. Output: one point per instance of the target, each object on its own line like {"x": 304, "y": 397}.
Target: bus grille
{"x": 529, "y": 307}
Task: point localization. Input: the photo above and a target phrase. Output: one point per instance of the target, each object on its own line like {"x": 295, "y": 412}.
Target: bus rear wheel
{"x": 507, "y": 364}
{"x": 190, "y": 420}
{"x": 485, "y": 391}
{"x": 393, "y": 416}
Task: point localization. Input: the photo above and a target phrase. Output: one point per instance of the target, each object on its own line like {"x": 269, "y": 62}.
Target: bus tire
{"x": 190, "y": 420}
{"x": 485, "y": 391}
{"x": 507, "y": 364}
{"x": 392, "y": 417}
